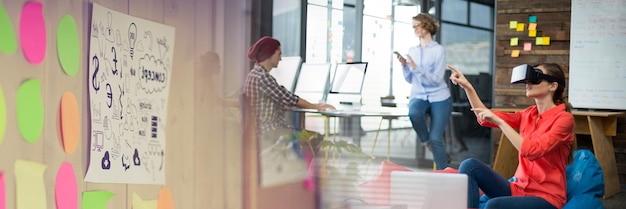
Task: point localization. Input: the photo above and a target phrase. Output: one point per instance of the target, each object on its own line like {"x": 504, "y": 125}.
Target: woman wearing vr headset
{"x": 544, "y": 144}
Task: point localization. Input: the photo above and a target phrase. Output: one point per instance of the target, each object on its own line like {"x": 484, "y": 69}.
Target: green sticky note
{"x": 532, "y": 18}
{"x": 514, "y": 41}
{"x": 30, "y": 110}
{"x": 538, "y": 41}
{"x": 513, "y": 24}
{"x": 8, "y": 42}
{"x": 3, "y": 115}
{"x": 96, "y": 199}
{"x": 68, "y": 46}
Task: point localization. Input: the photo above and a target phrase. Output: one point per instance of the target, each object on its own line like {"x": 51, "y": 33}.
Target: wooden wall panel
{"x": 553, "y": 20}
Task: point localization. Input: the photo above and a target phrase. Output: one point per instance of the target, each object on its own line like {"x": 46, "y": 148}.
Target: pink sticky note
{"x": 2, "y": 193}
{"x": 33, "y": 32}
{"x": 66, "y": 188}
{"x": 527, "y": 46}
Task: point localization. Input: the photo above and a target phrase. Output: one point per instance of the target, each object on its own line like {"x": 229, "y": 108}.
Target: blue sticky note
{"x": 532, "y": 18}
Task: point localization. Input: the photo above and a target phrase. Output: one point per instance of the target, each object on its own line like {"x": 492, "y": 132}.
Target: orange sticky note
{"x": 532, "y": 33}
{"x": 538, "y": 41}
{"x": 545, "y": 40}
{"x": 70, "y": 122}
{"x": 515, "y": 53}
{"x": 520, "y": 26}
{"x": 513, "y": 24}
{"x": 527, "y": 46}
{"x": 165, "y": 201}
{"x": 514, "y": 41}
{"x": 532, "y": 26}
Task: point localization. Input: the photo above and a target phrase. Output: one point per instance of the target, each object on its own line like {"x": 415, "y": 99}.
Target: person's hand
{"x": 411, "y": 63}
{"x": 323, "y": 107}
{"x": 405, "y": 61}
{"x": 484, "y": 114}
{"x": 458, "y": 78}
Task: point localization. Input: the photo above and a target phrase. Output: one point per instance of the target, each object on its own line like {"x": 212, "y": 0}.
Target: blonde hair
{"x": 427, "y": 22}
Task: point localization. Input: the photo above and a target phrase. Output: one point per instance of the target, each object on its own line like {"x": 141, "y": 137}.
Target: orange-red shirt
{"x": 544, "y": 153}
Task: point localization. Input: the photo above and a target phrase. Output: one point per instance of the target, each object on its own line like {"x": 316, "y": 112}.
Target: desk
{"x": 363, "y": 111}
{"x": 600, "y": 125}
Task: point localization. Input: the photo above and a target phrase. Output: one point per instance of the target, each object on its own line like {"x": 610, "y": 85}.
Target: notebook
{"x": 428, "y": 190}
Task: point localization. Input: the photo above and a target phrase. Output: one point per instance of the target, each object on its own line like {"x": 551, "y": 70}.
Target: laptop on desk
{"x": 428, "y": 190}
{"x": 346, "y": 86}
{"x": 312, "y": 83}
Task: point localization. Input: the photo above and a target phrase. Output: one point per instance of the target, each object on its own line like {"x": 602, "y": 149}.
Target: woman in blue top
{"x": 424, "y": 69}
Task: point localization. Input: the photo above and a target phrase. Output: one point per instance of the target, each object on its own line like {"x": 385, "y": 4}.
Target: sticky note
{"x": 30, "y": 188}
{"x": 33, "y": 32}
{"x": 527, "y": 46}
{"x": 8, "y": 40}
{"x": 545, "y": 40}
{"x": 532, "y": 33}
{"x": 165, "y": 201}
{"x": 139, "y": 203}
{"x": 68, "y": 46}
{"x": 3, "y": 199}
{"x": 515, "y": 53}
{"x": 66, "y": 188}
{"x": 514, "y": 41}
{"x": 96, "y": 199}
{"x": 70, "y": 122}
{"x": 520, "y": 26}
{"x": 513, "y": 24}
{"x": 538, "y": 41}
{"x": 30, "y": 110}
{"x": 532, "y": 26}
{"x": 532, "y": 18}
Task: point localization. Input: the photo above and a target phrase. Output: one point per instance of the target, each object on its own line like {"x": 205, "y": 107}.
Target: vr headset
{"x": 526, "y": 73}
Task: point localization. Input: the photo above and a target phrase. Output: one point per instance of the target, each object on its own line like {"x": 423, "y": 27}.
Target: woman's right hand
{"x": 458, "y": 78}
{"x": 405, "y": 61}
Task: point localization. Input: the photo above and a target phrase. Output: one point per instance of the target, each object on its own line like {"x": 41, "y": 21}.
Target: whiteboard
{"x": 597, "y": 51}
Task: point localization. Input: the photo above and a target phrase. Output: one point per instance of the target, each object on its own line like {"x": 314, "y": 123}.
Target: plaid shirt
{"x": 268, "y": 99}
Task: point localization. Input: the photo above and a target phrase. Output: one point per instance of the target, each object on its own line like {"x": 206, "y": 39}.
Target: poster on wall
{"x": 130, "y": 66}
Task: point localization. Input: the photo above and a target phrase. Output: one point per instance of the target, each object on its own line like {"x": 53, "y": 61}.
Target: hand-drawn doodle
{"x": 130, "y": 63}
{"x": 105, "y": 163}
{"x": 132, "y": 38}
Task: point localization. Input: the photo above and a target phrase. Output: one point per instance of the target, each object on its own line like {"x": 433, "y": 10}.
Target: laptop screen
{"x": 312, "y": 82}
{"x": 286, "y": 71}
{"x": 348, "y": 78}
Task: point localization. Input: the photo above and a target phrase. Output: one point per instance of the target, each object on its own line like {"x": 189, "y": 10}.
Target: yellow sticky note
{"x": 520, "y": 26}
{"x": 545, "y": 40}
{"x": 538, "y": 41}
{"x": 515, "y": 53}
{"x": 532, "y": 33}
{"x": 514, "y": 41}
{"x": 513, "y": 24}
{"x": 532, "y": 26}
{"x": 30, "y": 186}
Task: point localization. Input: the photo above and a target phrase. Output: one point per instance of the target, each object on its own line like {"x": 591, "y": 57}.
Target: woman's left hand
{"x": 484, "y": 114}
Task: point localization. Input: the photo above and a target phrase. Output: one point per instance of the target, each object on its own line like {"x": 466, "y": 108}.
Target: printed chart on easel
{"x": 130, "y": 61}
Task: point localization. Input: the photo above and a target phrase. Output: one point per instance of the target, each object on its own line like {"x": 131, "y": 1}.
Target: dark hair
{"x": 427, "y": 22}
{"x": 554, "y": 70}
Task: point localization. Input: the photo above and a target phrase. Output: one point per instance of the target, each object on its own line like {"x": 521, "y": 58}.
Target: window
{"x": 287, "y": 12}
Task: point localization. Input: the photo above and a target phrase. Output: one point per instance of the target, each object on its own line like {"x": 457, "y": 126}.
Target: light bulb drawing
{"x": 132, "y": 38}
